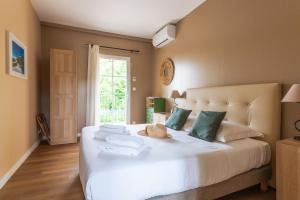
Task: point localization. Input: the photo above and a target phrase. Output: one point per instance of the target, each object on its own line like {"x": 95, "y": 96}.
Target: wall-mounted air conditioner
{"x": 164, "y": 36}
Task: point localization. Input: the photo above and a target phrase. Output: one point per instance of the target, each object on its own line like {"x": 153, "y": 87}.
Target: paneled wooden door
{"x": 63, "y": 97}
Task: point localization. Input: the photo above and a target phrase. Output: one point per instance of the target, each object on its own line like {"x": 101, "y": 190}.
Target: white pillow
{"x": 189, "y": 123}
{"x": 230, "y": 131}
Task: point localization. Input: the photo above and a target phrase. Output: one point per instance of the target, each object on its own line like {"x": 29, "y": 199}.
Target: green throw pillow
{"x": 207, "y": 124}
{"x": 178, "y": 118}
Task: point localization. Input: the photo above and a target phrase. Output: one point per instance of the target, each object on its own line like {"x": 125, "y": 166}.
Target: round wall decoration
{"x": 167, "y": 71}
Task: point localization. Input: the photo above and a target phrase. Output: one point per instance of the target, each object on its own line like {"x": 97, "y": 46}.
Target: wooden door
{"x": 63, "y": 97}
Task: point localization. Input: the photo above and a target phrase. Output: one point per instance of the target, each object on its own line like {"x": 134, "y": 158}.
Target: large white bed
{"x": 183, "y": 163}
{"x": 170, "y": 165}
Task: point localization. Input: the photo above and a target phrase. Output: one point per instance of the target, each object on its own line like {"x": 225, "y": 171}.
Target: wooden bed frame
{"x": 257, "y": 106}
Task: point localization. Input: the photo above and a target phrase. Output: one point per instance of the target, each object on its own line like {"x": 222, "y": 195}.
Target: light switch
{"x": 134, "y": 79}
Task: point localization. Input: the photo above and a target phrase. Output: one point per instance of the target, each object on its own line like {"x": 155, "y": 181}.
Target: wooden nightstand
{"x": 288, "y": 169}
{"x": 160, "y": 117}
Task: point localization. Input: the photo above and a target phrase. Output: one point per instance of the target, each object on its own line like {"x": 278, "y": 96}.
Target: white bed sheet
{"x": 169, "y": 166}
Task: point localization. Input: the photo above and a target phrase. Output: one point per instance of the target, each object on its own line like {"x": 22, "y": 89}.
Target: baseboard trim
{"x": 15, "y": 167}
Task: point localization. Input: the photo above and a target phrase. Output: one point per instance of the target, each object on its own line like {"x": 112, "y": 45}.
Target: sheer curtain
{"x": 93, "y": 92}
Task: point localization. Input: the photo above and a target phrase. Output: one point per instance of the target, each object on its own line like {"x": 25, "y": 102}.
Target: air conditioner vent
{"x": 164, "y": 36}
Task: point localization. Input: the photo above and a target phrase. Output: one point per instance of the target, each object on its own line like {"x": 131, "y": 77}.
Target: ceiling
{"x": 139, "y": 18}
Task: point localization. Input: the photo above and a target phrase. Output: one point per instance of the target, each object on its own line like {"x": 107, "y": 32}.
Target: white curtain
{"x": 93, "y": 92}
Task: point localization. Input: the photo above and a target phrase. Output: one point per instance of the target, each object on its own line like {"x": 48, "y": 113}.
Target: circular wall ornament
{"x": 167, "y": 71}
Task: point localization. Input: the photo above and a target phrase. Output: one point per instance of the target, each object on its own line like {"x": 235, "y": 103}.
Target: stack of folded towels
{"x": 119, "y": 141}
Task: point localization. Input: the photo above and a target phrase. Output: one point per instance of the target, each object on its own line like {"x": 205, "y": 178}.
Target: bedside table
{"x": 160, "y": 117}
{"x": 288, "y": 169}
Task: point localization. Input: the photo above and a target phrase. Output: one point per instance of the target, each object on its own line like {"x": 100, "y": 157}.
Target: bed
{"x": 188, "y": 168}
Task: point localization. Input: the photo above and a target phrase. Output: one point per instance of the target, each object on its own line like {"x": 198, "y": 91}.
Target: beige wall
{"x": 62, "y": 37}
{"x": 19, "y": 97}
{"x": 237, "y": 42}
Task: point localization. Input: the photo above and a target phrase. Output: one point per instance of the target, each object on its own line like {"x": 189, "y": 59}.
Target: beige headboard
{"x": 256, "y": 105}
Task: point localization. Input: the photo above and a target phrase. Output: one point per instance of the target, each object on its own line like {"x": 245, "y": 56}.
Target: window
{"x": 114, "y": 89}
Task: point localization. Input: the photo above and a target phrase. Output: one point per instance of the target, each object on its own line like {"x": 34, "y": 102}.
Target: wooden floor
{"x": 51, "y": 172}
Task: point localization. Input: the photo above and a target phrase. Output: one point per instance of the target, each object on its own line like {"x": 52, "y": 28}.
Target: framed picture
{"x": 16, "y": 57}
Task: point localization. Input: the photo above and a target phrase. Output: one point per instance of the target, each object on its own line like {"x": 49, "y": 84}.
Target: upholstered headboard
{"x": 257, "y": 106}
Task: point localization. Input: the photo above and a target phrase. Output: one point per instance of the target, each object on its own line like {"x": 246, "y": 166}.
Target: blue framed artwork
{"x": 17, "y": 57}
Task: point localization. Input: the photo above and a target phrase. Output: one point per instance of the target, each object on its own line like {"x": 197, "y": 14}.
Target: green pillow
{"x": 178, "y": 118}
{"x": 207, "y": 124}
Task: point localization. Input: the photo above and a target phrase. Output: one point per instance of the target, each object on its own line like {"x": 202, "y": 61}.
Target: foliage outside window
{"x": 113, "y": 89}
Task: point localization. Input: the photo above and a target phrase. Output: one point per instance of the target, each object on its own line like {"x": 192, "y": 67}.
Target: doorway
{"x": 114, "y": 80}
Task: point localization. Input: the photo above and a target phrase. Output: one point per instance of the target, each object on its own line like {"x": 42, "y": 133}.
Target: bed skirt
{"x": 224, "y": 188}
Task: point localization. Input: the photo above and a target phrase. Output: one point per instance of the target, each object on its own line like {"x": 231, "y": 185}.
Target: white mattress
{"x": 169, "y": 166}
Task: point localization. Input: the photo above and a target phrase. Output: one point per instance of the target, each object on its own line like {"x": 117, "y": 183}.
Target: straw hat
{"x": 156, "y": 130}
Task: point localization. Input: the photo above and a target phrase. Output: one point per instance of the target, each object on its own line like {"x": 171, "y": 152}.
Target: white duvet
{"x": 168, "y": 166}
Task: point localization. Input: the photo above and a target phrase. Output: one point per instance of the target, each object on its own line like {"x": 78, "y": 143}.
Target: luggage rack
{"x": 43, "y": 127}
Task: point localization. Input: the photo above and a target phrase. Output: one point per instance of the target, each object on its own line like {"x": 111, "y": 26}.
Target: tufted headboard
{"x": 256, "y": 105}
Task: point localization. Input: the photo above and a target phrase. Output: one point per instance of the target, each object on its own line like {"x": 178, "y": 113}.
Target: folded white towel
{"x": 121, "y": 150}
{"x": 113, "y": 126}
{"x": 116, "y": 131}
{"x": 101, "y": 135}
{"x": 125, "y": 140}
{"x": 110, "y": 128}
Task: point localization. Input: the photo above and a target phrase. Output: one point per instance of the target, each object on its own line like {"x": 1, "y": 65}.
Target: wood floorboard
{"x": 51, "y": 173}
